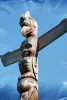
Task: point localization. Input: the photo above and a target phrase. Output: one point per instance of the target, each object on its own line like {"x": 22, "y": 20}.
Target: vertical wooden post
{"x": 27, "y": 84}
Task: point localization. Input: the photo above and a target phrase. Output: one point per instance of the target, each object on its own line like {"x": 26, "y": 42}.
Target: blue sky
{"x": 52, "y": 59}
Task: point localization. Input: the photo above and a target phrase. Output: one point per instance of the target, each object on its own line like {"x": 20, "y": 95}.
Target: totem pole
{"x": 28, "y": 81}
{"x": 27, "y": 54}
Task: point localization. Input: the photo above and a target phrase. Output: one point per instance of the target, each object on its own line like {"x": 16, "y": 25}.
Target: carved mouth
{"x": 26, "y": 53}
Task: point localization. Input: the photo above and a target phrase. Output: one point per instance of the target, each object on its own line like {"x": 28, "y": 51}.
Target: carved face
{"x": 29, "y": 47}
{"x": 28, "y": 25}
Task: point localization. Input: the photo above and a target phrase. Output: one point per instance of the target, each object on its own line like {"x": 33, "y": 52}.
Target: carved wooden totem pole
{"x": 27, "y": 54}
{"x": 28, "y": 81}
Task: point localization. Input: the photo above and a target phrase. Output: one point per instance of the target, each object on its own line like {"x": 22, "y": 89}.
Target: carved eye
{"x": 21, "y": 21}
{"x": 28, "y": 45}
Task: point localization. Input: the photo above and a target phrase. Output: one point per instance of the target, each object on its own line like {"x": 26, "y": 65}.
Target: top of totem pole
{"x": 28, "y": 25}
{"x": 26, "y": 15}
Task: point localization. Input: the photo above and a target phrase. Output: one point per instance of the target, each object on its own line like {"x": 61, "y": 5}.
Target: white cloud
{"x": 65, "y": 83}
